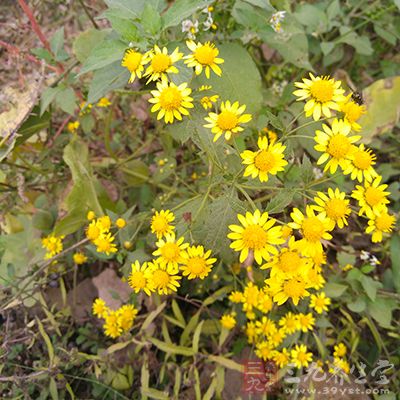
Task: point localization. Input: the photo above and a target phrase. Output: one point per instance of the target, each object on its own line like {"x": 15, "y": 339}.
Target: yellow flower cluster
{"x": 337, "y": 144}
{"x": 116, "y": 322}
{"x": 98, "y": 232}
{"x": 173, "y": 255}
{"x": 53, "y": 245}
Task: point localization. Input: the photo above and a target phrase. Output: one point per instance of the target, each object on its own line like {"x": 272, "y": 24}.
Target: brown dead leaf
{"x": 111, "y": 288}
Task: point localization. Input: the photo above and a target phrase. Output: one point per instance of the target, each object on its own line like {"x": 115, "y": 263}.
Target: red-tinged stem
{"x": 15, "y": 50}
{"x": 59, "y": 130}
{"x": 35, "y": 25}
{"x": 36, "y": 28}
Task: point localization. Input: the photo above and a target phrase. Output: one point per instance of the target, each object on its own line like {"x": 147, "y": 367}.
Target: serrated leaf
{"x": 279, "y": 202}
{"x": 231, "y": 85}
{"x": 86, "y": 41}
{"x": 105, "y": 53}
{"x": 181, "y": 9}
{"x": 216, "y": 225}
{"x": 107, "y": 79}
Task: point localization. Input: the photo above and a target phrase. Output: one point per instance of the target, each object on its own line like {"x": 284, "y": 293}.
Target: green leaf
{"x": 86, "y": 41}
{"x": 381, "y": 311}
{"x": 395, "y": 257}
{"x": 181, "y": 9}
{"x": 57, "y": 45}
{"x": 152, "y": 316}
{"x": 66, "y": 100}
{"x": 280, "y": 201}
{"x": 178, "y": 313}
{"x": 264, "y": 4}
{"x": 128, "y": 8}
{"x": 71, "y": 223}
{"x": 34, "y": 124}
{"x": 107, "y": 79}
{"x": 136, "y": 172}
{"x": 217, "y": 223}
{"x": 370, "y": 286}
{"x": 227, "y": 363}
{"x": 382, "y": 100}
{"x": 48, "y": 96}
{"x": 231, "y": 85}
{"x": 155, "y": 394}
{"x": 171, "y": 348}
{"x": 358, "y": 305}
{"x": 361, "y": 44}
{"x": 105, "y": 53}
{"x": 53, "y": 389}
{"x": 196, "y": 337}
{"x": 333, "y": 289}
{"x": 124, "y": 27}
{"x": 151, "y": 20}
{"x": 189, "y": 328}
{"x": 312, "y": 18}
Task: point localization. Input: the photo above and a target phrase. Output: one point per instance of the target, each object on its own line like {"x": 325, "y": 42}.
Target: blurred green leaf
{"x": 181, "y": 9}
{"x": 86, "y": 41}
{"x": 382, "y": 100}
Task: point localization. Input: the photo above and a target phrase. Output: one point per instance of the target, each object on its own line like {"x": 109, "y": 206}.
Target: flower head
{"x": 335, "y": 144}
{"x": 264, "y": 350}
{"x": 120, "y": 223}
{"x": 204, "y": 56}
{"x": 53, "y": 245}
{"x": 371, "y": 197}
{"x": 207, "y": 101}
{"x": 134, "y": 62}
{"x": 79, "y": 258}
{"x": 140, "y": 278}
{"x": 289, "y": 323}
{"x": 126, "y": 316}
{"x": 282, "y": 288}
{"x": 170, "y": 251}
{"x": 163, "y": 278}
{"x": 322, "y": 93}
{"x": 269, "y": 159}
{"x": 171, "y": 101}
{"x": 306, "y": 322}
{"x": 160, "y": 223}
{"x": 161, "y": 63}
{"x": 228, "y": 321}
{"x": 196, "y": 263}
{"x": 257, "y": 234}
{"x": 281, "y": 358}
{"x": 380, "y": 223}
{"x": 361, "y": 163}
{"x": 72, "y": 127}
{"x": 300, "y": 356}
{"x": 228, "y": 121}
{"x": 103, "y": 102}
{"x": 313, "y": 228}
{"x": 335, "y": 206}
{"x": 111, "y": 326}
{"x": 104, "y": 243}
{"x": 352, "y": 112}
{"x": 340, "y": 350}
{"x": 319, "y": 302}
{"x": 99, "y": 308}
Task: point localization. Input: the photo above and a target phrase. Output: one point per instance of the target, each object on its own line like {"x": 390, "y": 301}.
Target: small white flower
{"x": 190, "y": 27}
{"x": 276, "y": 20}
{"x": 317, "y": 173}
{"x": 208, "y": 23}
{"x": 374, "y": 261}
{"x": 365, "y": 255}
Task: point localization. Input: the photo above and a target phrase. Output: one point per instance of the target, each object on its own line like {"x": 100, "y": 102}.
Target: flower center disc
{"x": 196, "y": 265}
{"x": 335, "y": 209}
{"x": 227, "y": 120}
{"x": 170, "y": 98}
{"x": 133, "y": 60}
{"x": 160, "y": 278}
{"x": 362, "y": 160}
{"x": 137, "y": 279}
{"x": 160, "y": 62}
{"x": 339, "y": 146}
{"x": 205, "y": 55}
{"x": 289, "y": 261}
{"x": 264, "y": 161}
{"x": 383, "y": 222}
{"x": 254, "y": 237}
{"x": 170, "y": 251}
{"x": 322, "y": 90}
{"x": 312, "y": 229}
{"x": 294, "y": 288}
{"x": 160, "y": 224}
{"x": 373, "y": 196}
